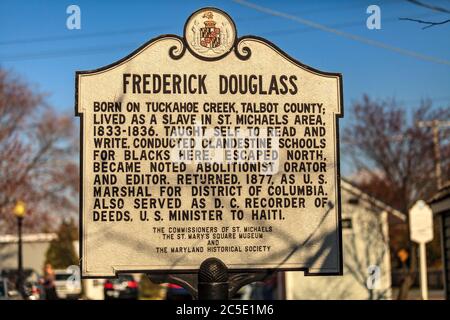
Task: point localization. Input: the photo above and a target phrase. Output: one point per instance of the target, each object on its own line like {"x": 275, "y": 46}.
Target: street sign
{"x": 421, "y": 231}
{"x": 421, "y": 222}
{"x": 209, "y": 145}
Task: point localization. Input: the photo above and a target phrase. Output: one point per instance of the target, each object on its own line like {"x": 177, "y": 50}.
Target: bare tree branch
{"x": 429, "y": 23}
{"x": 399, "y": 161}
{"x": 37, "y": 158}
{"x": 429, "y": 6}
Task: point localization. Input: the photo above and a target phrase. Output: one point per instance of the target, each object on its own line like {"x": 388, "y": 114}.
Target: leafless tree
{"x": 37, "y": 156}
{"x": 384, "y": 140}
{"x": 435, "y": 8}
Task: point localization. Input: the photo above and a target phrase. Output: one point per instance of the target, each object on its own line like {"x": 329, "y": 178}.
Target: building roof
{"x": 36, "y": 237}
{"x": 440, "y": 202}
{"x": 347, "y": 185}
{"x": 442, "y": 193}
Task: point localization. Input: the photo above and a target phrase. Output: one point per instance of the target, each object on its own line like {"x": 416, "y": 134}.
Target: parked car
{"x": 177, "y": 293}
{"x": 32, "y": 287}
{"x": 67, "y": 286}
{"x": 122, "y": 287}
{"x": 3, "y": 289}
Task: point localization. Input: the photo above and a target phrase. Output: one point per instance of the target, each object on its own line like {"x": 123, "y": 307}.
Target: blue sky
{"x": 35, "y": 43}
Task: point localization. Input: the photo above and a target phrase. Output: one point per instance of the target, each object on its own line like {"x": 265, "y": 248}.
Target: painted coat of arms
{"x": 211, "y": 34}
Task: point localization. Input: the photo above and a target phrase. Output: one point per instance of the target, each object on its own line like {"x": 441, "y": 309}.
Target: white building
{"x": 34, "y": 248}
{"x": 366, "y": 256}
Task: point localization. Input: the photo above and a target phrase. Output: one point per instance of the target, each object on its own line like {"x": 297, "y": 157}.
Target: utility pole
{"x": 436, "y": 125}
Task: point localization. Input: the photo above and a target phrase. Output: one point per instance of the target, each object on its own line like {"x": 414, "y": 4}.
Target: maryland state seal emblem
{"x": 210, "y": 33}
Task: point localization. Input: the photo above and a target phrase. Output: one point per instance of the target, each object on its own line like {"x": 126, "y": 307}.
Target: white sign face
{"x": 209, "y": 145}
{"x": 421, "y": 222}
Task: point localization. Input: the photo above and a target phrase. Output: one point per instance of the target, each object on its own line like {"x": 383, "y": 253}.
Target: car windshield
{"x": 123, "y": 278}
{"x": 62, "y": 276}
{"x": 2, "y": 288}
{"x": 12, "y": 274}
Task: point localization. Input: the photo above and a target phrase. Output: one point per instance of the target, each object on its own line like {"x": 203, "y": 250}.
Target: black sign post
{"x": 214, "y": 281}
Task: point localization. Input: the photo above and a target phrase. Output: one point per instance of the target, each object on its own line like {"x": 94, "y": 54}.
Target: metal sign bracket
{"x": 213, "y": 281}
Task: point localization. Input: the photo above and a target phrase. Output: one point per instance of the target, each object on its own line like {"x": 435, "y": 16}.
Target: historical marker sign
{"x": 421, "y": 222}
{"x": 209, "y": 145}
{"x": 421, "y": 231}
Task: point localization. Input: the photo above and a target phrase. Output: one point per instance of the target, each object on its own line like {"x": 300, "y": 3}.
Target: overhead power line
{"x": 429, "y": 6}
{"x": 106, "y": 33}
{"x": 429, "y": 24}
{"x": 436, "y": 125}
{"x": 68, "y": 52}
{"x": 109, "y": 48}
{"x": 344, "y": 34}
{"x": 337, "y": 25}
{"x": 82, "y": 36}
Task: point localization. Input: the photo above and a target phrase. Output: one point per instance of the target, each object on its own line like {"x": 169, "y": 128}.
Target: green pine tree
{"x": 61, "y": 252}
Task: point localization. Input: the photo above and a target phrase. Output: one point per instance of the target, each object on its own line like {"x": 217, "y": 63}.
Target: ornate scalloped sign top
{"x": 209, "y": 145}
